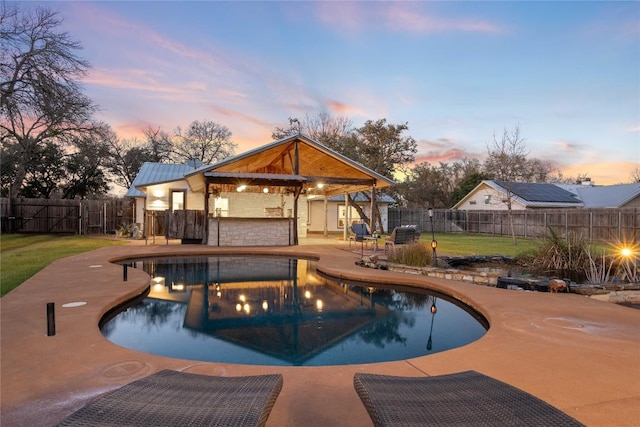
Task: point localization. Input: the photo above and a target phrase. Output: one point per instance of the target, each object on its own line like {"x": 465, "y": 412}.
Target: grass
{"x": 455, "y": 244}
{"x": 23, "y": 255}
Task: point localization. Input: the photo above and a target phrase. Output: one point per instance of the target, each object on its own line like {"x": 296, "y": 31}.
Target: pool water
{"x": 280, "y": 311}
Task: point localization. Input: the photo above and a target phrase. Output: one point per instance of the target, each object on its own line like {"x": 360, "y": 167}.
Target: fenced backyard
{"x": 64, "y": 216}
{"x": 598, "y": 225}
{"x": 106, "y": 216}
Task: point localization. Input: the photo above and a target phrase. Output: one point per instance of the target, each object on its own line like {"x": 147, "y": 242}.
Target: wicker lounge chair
{"x": 466, "y": 398}
{"x": 401, "y": 236}
{"x": 171, "y": 398}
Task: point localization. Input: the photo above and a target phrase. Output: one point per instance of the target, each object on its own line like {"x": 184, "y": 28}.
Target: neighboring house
{"x": 334, "y": 215}
{"x": 493, "y": 195}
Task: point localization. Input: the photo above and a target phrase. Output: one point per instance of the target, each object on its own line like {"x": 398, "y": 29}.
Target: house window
{"x": 472, "y": 202}
{"x": 343, "y": 218}
{"x": 487, "y": 199}
{"x": 178, "y": 200}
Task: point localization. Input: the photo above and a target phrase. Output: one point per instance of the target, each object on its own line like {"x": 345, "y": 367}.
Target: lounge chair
{"x": 358, "y": 233}
{"x": 171, "y": 398}
{"x": 401, "y": 236}
{"x": 465, "y": 398}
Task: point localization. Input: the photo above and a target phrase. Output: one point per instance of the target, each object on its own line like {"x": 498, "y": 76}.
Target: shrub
{"x": 415, "y": 254}
{"x": 573, "y": 256}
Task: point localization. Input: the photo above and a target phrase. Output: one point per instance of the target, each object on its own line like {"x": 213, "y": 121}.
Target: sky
{"x": 567, "y": 73}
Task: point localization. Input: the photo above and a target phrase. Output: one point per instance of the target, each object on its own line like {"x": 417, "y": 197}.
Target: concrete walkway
{"x": 578, "y": 354}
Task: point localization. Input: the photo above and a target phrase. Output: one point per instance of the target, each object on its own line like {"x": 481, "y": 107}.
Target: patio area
{"x": 578, "y": 354}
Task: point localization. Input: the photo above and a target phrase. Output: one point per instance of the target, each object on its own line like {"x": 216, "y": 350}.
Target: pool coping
{"x": 576, "y": 353}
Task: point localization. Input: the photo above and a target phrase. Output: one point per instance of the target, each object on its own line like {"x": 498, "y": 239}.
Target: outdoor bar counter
{"x": 239, "y": 231}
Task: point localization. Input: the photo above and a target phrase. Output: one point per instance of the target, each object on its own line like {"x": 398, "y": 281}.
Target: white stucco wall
{"x": 488, "y": 199}
{"x": 158, "y": 196}
{"x": 316, "y": 210}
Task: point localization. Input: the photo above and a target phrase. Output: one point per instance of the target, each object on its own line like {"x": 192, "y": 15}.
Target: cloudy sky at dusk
{"x": 566, "y": 72}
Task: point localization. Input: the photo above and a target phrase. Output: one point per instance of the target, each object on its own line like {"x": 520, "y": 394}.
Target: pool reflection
{"x": 272, "y": 310}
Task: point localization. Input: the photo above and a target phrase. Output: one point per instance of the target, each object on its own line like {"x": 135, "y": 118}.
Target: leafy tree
{"x": 206, "y": 141}
{"x": 43, "y": 181}
{"x": 466, "y": 184}
{"x": 41, "y": 100}
{"x": 124, "y": 159}
{"x": 426, "y": 186}
{"x": 383, "y": 148}
{"x": 85, "y": 175}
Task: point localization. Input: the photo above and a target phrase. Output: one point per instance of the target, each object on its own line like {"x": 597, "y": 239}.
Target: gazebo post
{"x": 373, "y": 212}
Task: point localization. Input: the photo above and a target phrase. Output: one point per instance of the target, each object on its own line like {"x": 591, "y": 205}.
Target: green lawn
{"x": 23, "y": 255}
{"x": 455, "y": 244}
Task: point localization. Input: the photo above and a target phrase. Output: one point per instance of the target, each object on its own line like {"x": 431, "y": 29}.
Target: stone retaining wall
{"x": 224, "y": 231}
{"x": 480, "y": 277}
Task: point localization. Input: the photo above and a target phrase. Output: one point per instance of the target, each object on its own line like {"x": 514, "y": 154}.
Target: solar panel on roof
{"x": 539, "y": 192}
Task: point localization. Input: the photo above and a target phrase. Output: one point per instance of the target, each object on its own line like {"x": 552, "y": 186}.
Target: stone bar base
{"x": 226, "y": 231}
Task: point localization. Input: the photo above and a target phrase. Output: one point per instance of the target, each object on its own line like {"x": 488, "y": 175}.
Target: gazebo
{"x": 289, "y": 167}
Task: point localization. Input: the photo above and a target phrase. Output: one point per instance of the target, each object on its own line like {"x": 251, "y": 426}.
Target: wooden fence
{"x": 64, "y": 215}
{"x": 604, "y": 225}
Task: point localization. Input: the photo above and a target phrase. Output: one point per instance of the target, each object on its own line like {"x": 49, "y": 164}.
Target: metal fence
{"x": 603, "y": 225}
{"x": 64, "y": 216}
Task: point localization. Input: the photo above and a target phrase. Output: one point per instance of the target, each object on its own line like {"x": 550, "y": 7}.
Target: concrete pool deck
{"x": 576, "y": 353}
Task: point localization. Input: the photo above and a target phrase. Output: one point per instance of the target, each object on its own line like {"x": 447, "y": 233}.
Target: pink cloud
{"x": 342, "y": 109}
{"x": 447, "y": 156}
{"x": 567, "y": 146}
{"x": 344, "y": 15}
{"x": 239, "y": 115}
{"x": 400, "y": 16}
{"x": 442, "y": 150}
{"x": 404, "y": 18}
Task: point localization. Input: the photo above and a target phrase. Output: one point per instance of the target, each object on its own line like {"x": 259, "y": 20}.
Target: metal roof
{"x": 604, "y": 196}
{"x": 363, "y": 196}
{"x": 157, "y": 173}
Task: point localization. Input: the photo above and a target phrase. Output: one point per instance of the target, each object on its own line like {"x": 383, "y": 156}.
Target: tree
{"x": 43, "y": 181}
{"x": 324, "y": 128}
{"x": 124, "y": 159}
{"x": 41, "y": 100}
{"x": 384, "y": 149}
{"x": 158, "y": 145}
{"x": 206, "y": 141}
{"x": 426, "y": 186}
{"x": 466, "y": 184}
{"x": 506, "y": 163}
{"x": 85, "y": 175}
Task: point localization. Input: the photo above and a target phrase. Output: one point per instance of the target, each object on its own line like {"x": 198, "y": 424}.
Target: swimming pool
{"x": 280, "y": 311}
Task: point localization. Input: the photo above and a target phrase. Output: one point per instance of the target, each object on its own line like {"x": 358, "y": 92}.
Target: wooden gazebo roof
{"x": 296, "y": 161}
